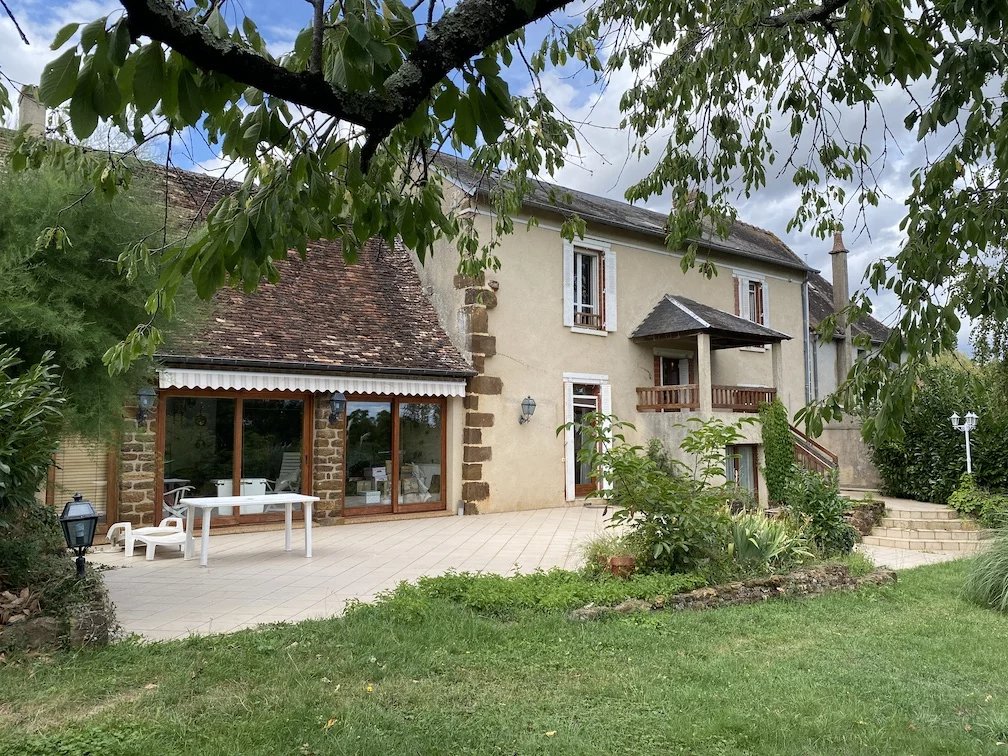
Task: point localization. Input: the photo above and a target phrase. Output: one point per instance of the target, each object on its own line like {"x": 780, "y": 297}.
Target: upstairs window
{"x": 751, "y": 299}
{"x": 589, "y": 287}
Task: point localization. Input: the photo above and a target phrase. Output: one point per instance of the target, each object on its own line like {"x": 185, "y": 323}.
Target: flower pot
{"x": 622, "y": 566}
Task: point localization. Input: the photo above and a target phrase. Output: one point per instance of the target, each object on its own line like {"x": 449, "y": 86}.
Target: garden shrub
{"x": 679, "y": 522}
{"x": 556, "y": 590}
{"x": 987, "y": 582}
{"x": 778, "y": 448}
{"x": 30, "y": 420}
{"x": 759, "y": 542}
{"x": 815, "y": 505}
{"x": 927, "y": 462}
{"x": 990, "y": 508}
{"x": 598, "y": 550}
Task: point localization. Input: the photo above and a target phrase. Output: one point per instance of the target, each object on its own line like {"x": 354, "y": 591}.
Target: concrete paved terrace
{"x": 252, "y": 580}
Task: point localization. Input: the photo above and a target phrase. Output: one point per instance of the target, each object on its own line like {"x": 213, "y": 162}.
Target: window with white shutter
{"x": 589, "y": 287}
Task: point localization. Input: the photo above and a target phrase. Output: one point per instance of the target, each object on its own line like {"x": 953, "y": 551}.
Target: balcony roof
{"x": 675, "y": 317}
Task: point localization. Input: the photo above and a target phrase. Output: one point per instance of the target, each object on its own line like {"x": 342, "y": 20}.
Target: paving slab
{"x": 251, "y": 580}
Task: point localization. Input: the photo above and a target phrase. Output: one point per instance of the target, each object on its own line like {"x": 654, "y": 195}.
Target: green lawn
{"x": 906, "y": 669}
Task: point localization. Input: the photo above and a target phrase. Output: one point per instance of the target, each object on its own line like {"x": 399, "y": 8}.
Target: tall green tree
{"x": 338, "y": 133}
{"x": 67, "y": 295}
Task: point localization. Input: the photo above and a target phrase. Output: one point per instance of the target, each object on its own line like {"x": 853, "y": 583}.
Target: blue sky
{"x": 605, "y": 164}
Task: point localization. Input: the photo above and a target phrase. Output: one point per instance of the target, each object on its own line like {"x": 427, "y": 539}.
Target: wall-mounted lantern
{"x": 337, "y": 406}
{"x": 528, "y": 406}
{"x": 146, "y": 398}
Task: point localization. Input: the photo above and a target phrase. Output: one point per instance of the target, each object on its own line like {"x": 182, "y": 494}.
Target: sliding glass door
{"x": 395, "y": 450}
{"x": 223, "y": 444}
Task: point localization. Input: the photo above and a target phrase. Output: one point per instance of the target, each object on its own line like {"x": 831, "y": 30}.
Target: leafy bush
{"x": 680, "y": 524}
{"x": 927, "y": 462}
{"x": 987, "y": 583}
{"x": 778, "y": 448}
{"x": 757, "y": 541}
{"x": 990, "y": 508}
{"x": 556, "y": 590}
{"x": 815, "y": 505}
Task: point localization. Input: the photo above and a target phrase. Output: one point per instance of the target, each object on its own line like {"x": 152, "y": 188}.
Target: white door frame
{"x": 605, "y": 406}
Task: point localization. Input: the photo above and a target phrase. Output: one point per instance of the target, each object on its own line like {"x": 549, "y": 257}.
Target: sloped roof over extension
{"x": 674, "y": 317}
{"x": 743, "y": 240}
{"x": 325, "y": 314}
{"x": 821, "y": 307}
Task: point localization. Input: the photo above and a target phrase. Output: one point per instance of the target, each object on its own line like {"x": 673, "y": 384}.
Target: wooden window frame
{"x": 307, "y": 445}
{"x": 394, "y": 507}
{"x": 598, "y": 286}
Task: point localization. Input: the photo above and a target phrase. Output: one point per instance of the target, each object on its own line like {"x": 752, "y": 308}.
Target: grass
{"x": 905, "y": 669}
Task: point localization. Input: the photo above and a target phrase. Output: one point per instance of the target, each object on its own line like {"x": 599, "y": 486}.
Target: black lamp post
{"x": 78, "y": 521}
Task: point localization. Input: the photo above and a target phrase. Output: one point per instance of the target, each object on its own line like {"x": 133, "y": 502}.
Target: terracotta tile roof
{"x": 744, "y": 240}
{"x": 326, "y": 314}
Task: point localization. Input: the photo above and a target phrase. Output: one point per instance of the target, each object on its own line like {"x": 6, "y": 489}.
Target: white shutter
{"x": 610, "y": 290}
{"x": 569, "y": 460}
{"x": 568, "y": 284}
{"x": 766, "y": 304}
{"x": 605, "y": 397}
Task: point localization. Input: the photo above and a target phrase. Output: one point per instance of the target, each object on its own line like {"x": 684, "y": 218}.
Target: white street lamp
{"x": 968, "y": 424}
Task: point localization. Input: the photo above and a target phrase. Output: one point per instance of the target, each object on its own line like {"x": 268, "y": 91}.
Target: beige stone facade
{"x": 527, "y": 350}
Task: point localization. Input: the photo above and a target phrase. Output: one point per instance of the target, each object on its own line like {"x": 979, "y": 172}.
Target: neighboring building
{"x": 833, "y": 358}
{"x": 610, "y": 323}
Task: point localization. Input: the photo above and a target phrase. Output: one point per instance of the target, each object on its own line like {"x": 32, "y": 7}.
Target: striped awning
{"x": 349, "y": 384}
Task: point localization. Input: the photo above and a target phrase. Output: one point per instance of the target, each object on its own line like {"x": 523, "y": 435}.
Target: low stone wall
{"x": 810, "y": 581}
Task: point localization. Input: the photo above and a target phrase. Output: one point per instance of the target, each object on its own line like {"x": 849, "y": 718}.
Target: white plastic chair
{"x": 289, "y": 476}
{"x": 171, "y": 499}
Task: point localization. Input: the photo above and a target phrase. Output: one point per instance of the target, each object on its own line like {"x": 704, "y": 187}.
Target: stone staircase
{"x": 924, "y": 527}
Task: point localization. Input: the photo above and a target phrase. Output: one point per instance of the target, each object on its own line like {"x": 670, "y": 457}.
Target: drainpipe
{"x": 806, "y": 346}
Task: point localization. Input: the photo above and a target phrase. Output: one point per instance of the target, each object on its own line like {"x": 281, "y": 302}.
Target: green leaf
{"x": 120, "y": 43}
{"x": 148, "y": 79}
{"x": 83, "y": 116}
{"x": 92, "y": 33}
{"x": 63, "y": 35}
{"x": 59, "y": 78}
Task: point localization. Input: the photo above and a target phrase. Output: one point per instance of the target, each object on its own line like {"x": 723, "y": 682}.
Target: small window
{"x": 588, "y": 310}
{"x": 756, "y": 310}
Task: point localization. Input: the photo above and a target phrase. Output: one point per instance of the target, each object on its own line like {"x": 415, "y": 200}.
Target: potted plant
{"x": 609, "y": 553}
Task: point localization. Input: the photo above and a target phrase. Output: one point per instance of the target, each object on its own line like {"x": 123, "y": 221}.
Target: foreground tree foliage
{"x": 339, "y": 133}
{"x": 65, "y": 293}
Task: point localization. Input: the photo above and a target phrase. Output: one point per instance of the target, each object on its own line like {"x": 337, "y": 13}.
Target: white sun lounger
{"x": 168, "y": 533}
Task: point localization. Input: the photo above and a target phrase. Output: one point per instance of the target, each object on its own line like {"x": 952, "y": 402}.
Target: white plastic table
{"x": 209, "y": 503}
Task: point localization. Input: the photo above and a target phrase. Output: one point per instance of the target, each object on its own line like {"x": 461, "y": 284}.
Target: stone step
{"x": 915, "y": 524}
{"x": 929, "y": 534}
{"x": 911, "y": 512}
{"x": 915, "y": 544}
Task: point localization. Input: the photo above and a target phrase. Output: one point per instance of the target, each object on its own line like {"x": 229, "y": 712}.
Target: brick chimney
{"x": 31, "y": 112}
{"x": 841, "y": 298}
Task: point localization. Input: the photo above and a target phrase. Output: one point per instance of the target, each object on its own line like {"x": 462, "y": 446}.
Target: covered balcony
{"x": 675, "y": 320}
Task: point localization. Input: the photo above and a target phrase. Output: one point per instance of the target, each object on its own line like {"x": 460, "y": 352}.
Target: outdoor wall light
{"x": 145, "y": 402}
{"x": 79, "y": 521}
{"x": 966, "y": 426}
{"x": 528, "y": 406}
{"x": 337, "y": 406}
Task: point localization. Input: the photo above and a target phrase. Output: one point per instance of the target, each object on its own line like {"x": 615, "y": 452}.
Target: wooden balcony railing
{"x": 741, "y": 398}
{"x": 659, "y": 398}
{"x": 687, "y": 396}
